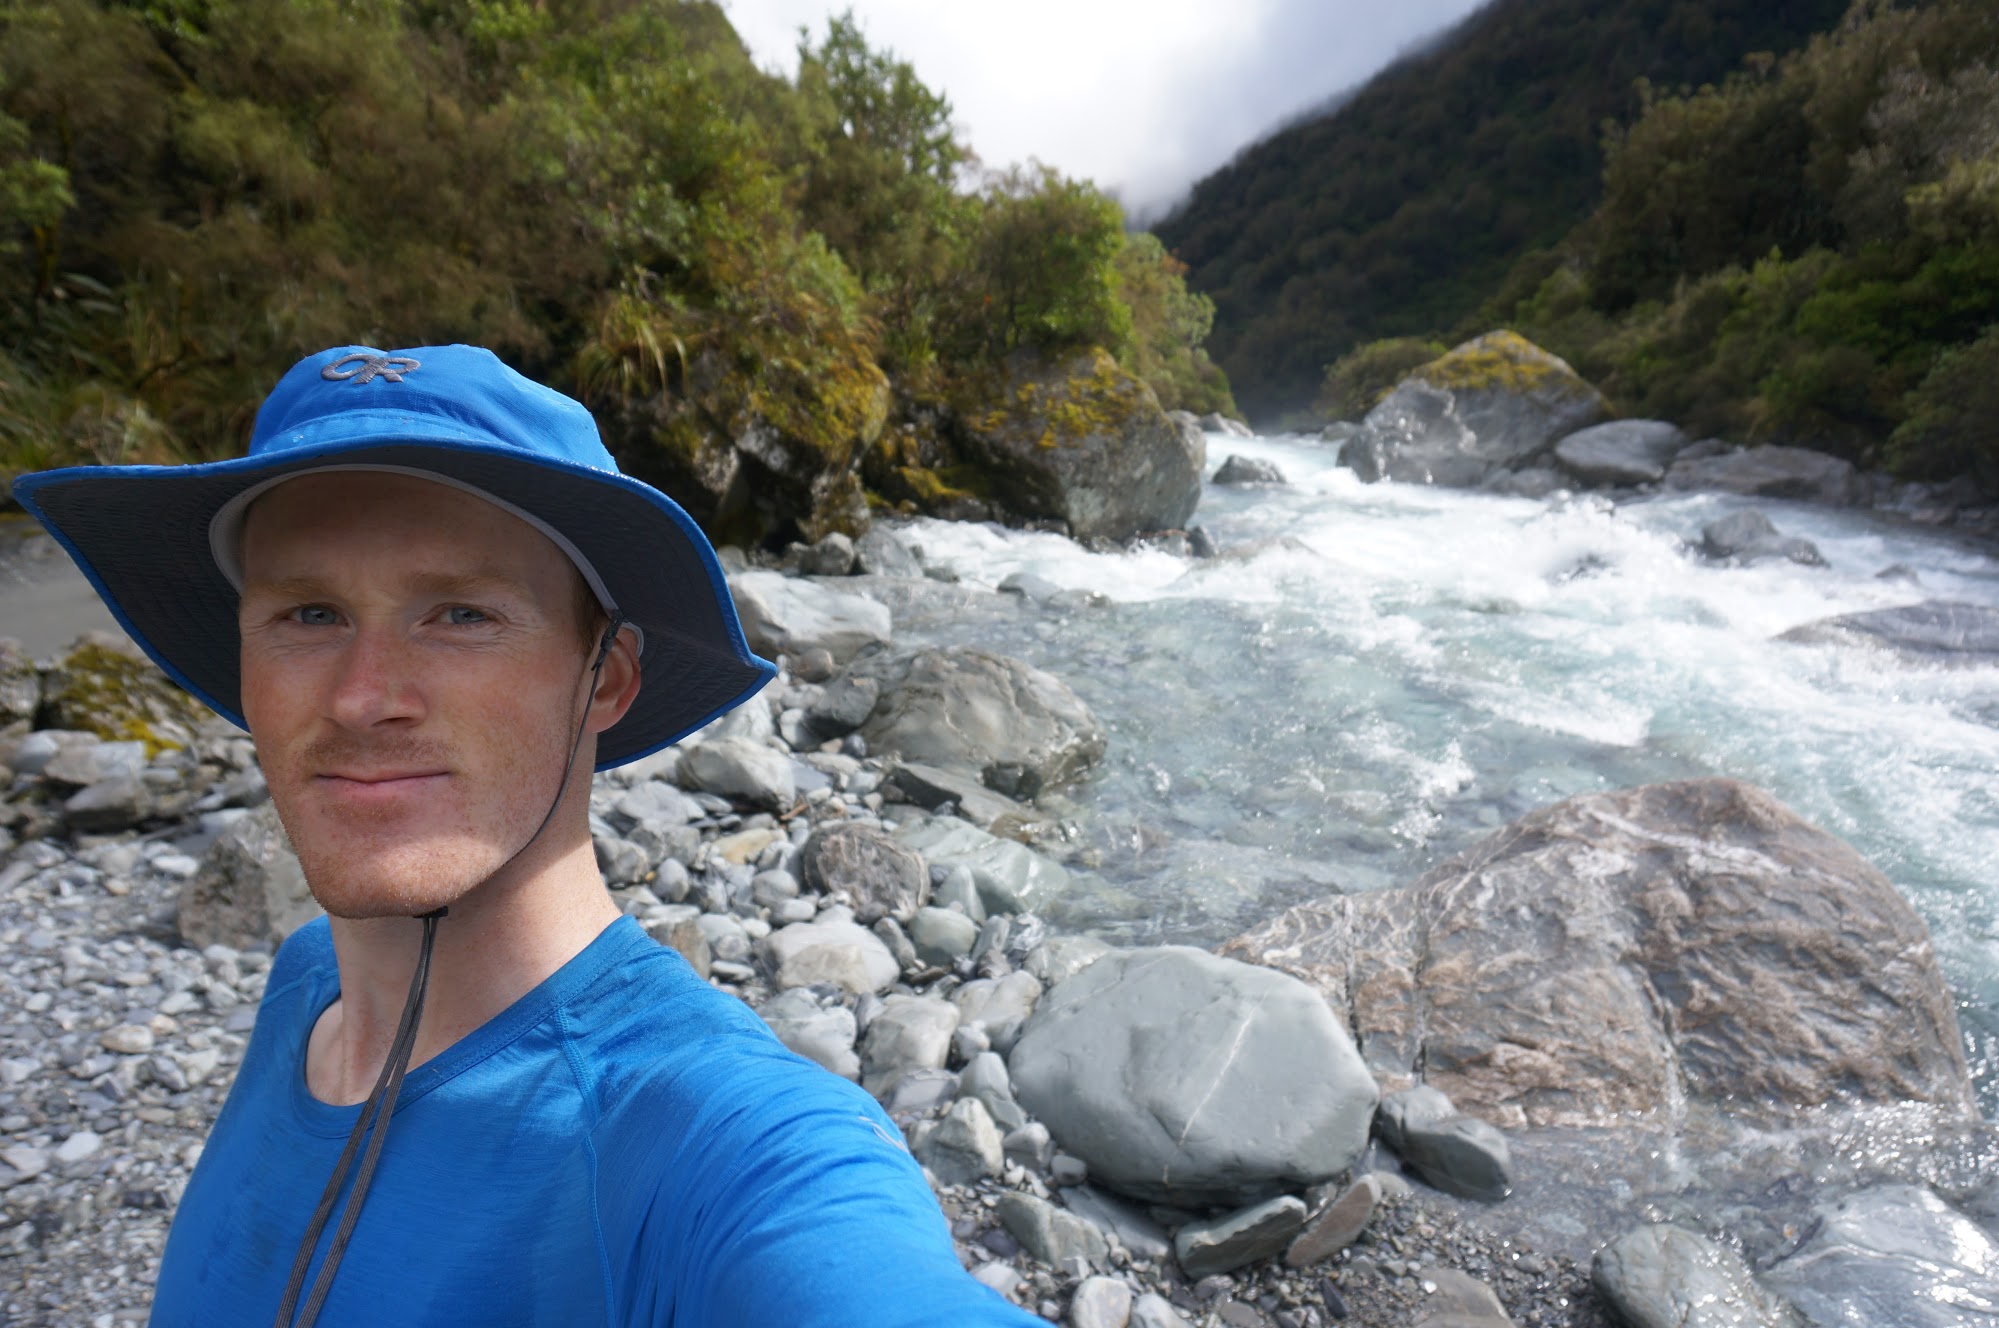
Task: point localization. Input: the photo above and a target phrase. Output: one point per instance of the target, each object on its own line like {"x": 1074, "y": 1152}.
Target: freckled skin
{"x": 413, "y": 677}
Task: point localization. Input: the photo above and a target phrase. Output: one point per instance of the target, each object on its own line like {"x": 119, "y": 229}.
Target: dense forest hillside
{"x": 1806, "y": 253}
{"x": 194, "y": 193}
{"x": 1401, "y": 210}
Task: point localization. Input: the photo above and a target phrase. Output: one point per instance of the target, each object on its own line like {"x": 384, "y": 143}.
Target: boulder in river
{"x": 1081, "y": 441}
{"x": 1247, "y": 470}
{"x": 783, "y": 614}
{"x": 1770, "y": 472}
{"x": 1495, "y": 403}
{"x": 1935, "y": 631}
{"x": 1893, "y": 1254}
{"x": 1613, "y": 953}
{"x": 1620, "y": 452}
{"x": 1010, "y": 877}
{"x": 1010, "y": 725}
{"x": 1189, "y": 1079}
{"x": 1663, "y": 1276}
{"x": 1748, "y": 537}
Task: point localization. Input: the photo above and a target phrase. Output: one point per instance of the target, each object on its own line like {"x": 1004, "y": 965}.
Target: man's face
{"x": 413, "y": 676}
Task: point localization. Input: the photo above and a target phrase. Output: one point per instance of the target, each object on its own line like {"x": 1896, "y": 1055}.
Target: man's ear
{"x": 618, "y": 682}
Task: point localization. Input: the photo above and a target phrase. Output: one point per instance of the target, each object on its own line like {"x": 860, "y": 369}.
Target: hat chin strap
{"x": 373, "y": 1123}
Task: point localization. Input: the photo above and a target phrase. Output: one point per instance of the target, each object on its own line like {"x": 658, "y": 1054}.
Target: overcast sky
{"x": 1144, "y": 98}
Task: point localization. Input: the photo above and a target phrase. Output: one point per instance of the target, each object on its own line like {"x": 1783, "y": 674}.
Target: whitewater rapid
{"x": 1372, "y": 677}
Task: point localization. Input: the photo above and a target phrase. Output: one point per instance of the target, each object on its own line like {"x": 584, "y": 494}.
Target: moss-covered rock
{"x": 1495, "y": 403}
{"x": 103, "y": 685}
{"x": 1081, "y": 441}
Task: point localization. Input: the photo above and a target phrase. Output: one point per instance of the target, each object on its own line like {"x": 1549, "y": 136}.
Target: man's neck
{"x": 499, "y": 942}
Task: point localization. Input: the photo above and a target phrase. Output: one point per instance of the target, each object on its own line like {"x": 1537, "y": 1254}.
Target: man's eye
{"x": 315, "y": 615}
{"x": 459, "y": 615}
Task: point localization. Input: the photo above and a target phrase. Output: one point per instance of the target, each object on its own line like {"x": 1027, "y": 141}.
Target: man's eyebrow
{"x": 469, "y": 584}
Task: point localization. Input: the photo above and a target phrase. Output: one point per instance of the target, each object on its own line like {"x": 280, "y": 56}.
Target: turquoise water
{"x": 1376, "y": 676}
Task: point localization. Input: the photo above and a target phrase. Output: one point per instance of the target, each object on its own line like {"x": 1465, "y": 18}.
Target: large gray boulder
{"x": 1620, "y": 452}
{"x": 1617, "y": 953}
{"x": 1663, "y": 1276}
{"x": 1080, "y": 440}
{"x": 739, "y": 768}
{"x": 1771, "y": 472}
{"x": 1934, "y": 631}
{"x": 1189, "y": 1079}
{"x": 1894, "y": 1254}
{"x": 1015, "y": 728}
{"x": 1495, "y": 403}
{"x": 250, "y": 892}
{"x": 783, "y": 614}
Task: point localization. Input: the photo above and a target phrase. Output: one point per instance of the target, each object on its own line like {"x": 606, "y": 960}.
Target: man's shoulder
{"x": 651, "y": 1035}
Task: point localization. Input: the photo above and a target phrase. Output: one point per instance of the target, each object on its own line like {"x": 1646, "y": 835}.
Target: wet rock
{"x": 1216, "y": 422}
{"x": 1047, "y": 1233}
{"x": 1060, "y": 958}
{"x": 1152, "y": 1310}
{"x": 1661, "y": 1276}
{"x": 985, "y": 1079}
{"x": 1748, "y": 537}
{"x": 1338, "y": 1225}
{"x": 1000, "y": 1006}
{"x": 1934, "y": 631}
{"x": 1494, "y": 403}
{"x": 879, "y": 552}
{"x": 1455, "y": 1153}
{"x": 820, "y": 1033}
{"x": 942, "y": 936}
{"x": 877, "y": 875}
{"x": 930, "y": 787}
{"x": 1008, "y": 724}
{"x": 832, "y": 555}
{"x": 1603, "y": 954}
{"x": 964, "y": 1146}
{"x": 1011, "y": 877}
{"x": 1238, "y": 1238}
{"x": 785, "y": 615}
{"x": 844, "y": 954}
{"x": 1080, "y": 441}
{"x": 909, "y": 1033}
{"x": 250, "y": 891}
{"x": 739, "y": 768}
{"x": 1770, "y": 472}
{"x": 1247, "y": 470}
{"x": 844, "y": 705}
{"x": 1620, "y": 452}
{"x": 1535, "y": 482}
{"x": 1185, "y": 1078}
{"x": 1894, "y": 1254}
{"x": 1100, "y": 1302}
{"x": 1138, "y": 1233}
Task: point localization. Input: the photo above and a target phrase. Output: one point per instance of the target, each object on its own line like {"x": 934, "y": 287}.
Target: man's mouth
{"x": 380, "y": 785}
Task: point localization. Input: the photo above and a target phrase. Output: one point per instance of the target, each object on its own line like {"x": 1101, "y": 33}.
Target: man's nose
{"x": 377, "y": 681}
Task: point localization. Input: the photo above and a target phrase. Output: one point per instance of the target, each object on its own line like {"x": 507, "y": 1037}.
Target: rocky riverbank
{"x": 1354, "y": 1113}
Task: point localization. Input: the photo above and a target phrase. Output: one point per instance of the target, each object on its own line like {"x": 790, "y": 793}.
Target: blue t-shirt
{"x": 624, "y": 1145}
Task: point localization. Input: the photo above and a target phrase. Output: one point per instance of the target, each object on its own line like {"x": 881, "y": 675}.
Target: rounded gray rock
{"x": 1190, "y": 1079}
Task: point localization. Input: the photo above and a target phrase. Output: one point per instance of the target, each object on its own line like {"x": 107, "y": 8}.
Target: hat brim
{"x": 141, "y": 535}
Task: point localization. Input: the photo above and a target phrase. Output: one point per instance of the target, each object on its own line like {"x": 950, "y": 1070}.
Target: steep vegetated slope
{"x": 1400, "y": 211}
{"x": 1806, "y": 253}
{"x": 193, "y": 193}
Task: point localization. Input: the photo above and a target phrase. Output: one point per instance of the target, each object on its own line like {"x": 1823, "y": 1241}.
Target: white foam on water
{"x": 1373, "y": 676}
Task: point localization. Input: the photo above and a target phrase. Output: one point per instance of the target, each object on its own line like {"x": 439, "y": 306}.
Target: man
{"x": 475, "y": 1093}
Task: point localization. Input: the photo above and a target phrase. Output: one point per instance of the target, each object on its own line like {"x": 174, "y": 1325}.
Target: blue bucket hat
{"x": 160, "y": 543}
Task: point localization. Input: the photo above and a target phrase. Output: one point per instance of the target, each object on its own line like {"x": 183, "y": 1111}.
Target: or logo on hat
{"x": 391, "y": 367}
